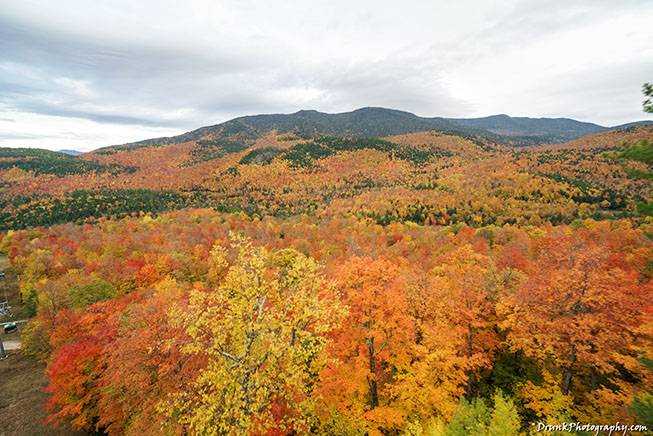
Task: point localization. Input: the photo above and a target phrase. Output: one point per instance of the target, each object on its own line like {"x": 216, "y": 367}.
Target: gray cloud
{"x": 87, "y": 74}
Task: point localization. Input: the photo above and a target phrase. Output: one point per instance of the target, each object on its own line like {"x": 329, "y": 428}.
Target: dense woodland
{"x": 418, "y": 284}
{"x": 424, "y": 177}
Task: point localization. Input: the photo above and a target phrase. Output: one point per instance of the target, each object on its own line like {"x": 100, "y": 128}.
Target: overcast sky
{"x": 84, "y": 74}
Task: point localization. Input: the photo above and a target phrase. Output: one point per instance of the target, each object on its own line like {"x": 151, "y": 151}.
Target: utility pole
{"x": 3, "y": 353}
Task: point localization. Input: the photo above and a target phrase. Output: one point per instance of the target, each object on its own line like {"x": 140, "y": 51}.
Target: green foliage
{"x": 206, "y": 150}
{"x": 639, "y": 174}
{"x": 51, "y": 162}
{"x": 304, "y": 154}
{"x": 587, "y": 191}
{"x": 261, "y": 156}
{"x": 29, "y": 298}
{"x": 476, "y": 418}
{"x": 35, "y": 341}
{"x": 336, "y": 424}
{"x": 509, "y": 370}
{"x": 29, "y": 152}
{"x": 505, "y": 419}
{"x": 351, "y": 144}
{"x": 647, "y": 89}
{"x": 419, "y": 156}
{"x": 642, "y": 406}
{"x": 412, "y": 154}
{"x": 83, "y": 204}
{"x": 470, "y": 419}
{"x": 91, "y": 290}
{"x": 641, "y": 151}
{"x": 645, "y": 208}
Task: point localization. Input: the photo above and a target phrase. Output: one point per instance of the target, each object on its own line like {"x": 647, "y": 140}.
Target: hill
{"x": 377, "y": 122}
{"x": 607, "y": 139}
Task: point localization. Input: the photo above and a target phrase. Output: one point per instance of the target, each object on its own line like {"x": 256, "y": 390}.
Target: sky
{"x": 79, "y": 74}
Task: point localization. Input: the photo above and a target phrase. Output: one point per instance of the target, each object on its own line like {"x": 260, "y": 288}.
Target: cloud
{"x": 126, "y": 71}
{"x": 53, "y": 132}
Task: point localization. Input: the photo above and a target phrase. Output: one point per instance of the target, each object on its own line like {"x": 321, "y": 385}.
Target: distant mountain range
{"x": 377, "y": 122}
{"x": 70, "y": 152}
{"x": 553, "y": 129}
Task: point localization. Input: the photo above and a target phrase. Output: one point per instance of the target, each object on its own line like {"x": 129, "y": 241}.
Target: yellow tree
{"x": 433, "y": 379}
{"x": 263, "y": 331}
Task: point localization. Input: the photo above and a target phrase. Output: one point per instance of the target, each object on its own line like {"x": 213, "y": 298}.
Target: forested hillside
{"x": 275, "y": 281}
{"x": 424, "y": 177}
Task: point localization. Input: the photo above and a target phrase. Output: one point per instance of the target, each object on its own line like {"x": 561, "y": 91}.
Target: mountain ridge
{"x": 379, "y": 122}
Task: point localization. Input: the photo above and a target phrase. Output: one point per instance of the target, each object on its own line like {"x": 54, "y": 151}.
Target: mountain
{"x": 551, "y": 129}
{"x": 364, "y": 122}
{"x": 633, "y": 124}
{"x": 377, "y": 122}
{"x": 70, "y": 152}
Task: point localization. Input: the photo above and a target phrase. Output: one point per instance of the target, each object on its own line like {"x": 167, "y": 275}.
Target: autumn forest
{"x": 301, "y": 278}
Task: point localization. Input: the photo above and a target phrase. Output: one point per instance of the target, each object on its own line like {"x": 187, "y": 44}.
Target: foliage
{"x": 648, "y": 93}
{"x": 643, "y": 407}
{"x": 420, "y": 284}
{"x": 262, "y": 332}
{"x": 478, "y": 419}
{"x": 206, "y": 150}
{"x": 641, "y": 151}
{"x": 426, "y": 178}
{"x": 260, "y": 156}
{"x": 304, "y": 154}
{"x": 151, "y": 324}
{"x": 51, "y": 162}
{"x": 81, "y": 205}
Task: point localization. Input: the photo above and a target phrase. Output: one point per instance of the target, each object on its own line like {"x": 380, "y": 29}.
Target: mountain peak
{"x": 303, "y": 112}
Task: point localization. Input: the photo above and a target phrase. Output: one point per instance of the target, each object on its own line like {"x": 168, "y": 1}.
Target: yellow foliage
{"x": 262, "y": 331}
{"x": 546, "y": 399}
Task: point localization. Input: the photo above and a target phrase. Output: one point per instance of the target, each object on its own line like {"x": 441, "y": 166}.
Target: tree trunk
{"x": 566, "y": 381}
{"x": 469, "y": 390}
{"x": 371, "y": 380}
{"x": 419, "y": 333}
{"x": 2, "y": 350}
